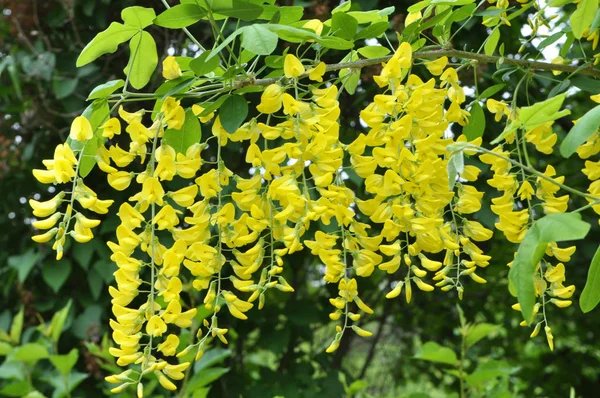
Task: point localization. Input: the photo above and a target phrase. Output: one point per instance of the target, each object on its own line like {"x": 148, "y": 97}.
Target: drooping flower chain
{"x": 231, "y": 234}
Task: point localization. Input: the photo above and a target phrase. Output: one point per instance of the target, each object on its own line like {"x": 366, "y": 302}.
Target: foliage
{"x": 266, "y": 112}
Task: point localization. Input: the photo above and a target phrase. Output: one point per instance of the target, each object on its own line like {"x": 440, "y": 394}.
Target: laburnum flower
{"x": 152, "y": 192}
{"x": 271, "y": 99}
{"x": 171, "y": 69}
{"x": 292, "y": 67}
{"x": 315, "y": 25}
{"x": 412, "y": 17}
{"x": 111, "y": 128}
{"x": 169, "y": 346}
{"x": 174, "y": 115}
{"x": 60, "y": 169}
{"x": 156, "y": 326}
{"x": 392, "y": 70}
{"x": 316, "y": 73}
{"x": 198, "y": 110}
{"x": 81, "y": 129}
{"x": 436, "y": 67}
{"x": 498, "y": 108}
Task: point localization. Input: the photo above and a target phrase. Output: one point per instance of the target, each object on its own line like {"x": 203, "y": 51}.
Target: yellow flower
{"x": 292, "y": 67}
{"x": 44, "y": 209}
{"x": 111, "y": 128}
{"x": 197, "y": 109}
{"x": 412, "y": 17}
{"x": 174, "y": 115}
{"x": 557, "y": 61}
{"x": 498, "y": 108}
{"x": 549, "y": 337}
{"x": 156, "y": 326}
{"x": 436, "y": 67}
{"x": 169, "y": 346}
{"x": 361, "y": 332}
{"x": 271, "y": 99}
{"x": 316, "y": 73}
{"x": 81, "y": 129}
{"x": 171, "y": 69}
{"x": 120, "y": 180}
{"x": 185, "y": 196}
{"x": 166, "y": 218}
{"x": 315, "y": 25}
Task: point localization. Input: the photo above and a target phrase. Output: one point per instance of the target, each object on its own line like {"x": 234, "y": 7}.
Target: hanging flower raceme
{"x": 194, "y": 235}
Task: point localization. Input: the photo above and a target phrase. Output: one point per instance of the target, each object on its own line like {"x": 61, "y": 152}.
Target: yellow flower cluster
{"x": 523, "y": 192}
{"x": 62, "y": 169}
{"x": 192, "y": 229}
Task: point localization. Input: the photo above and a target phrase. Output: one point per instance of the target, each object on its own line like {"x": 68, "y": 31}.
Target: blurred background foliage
{"x": 55, "y": 314}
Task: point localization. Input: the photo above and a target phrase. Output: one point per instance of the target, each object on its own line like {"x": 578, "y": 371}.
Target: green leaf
{"x": 479, "y": 332}
{"x": 106, "y": 89}
{"x": 490, "y": 91}
{"x": 375, "y": 30}
{"x": 30, "y": 352}
{"x": 16, "y": 328}
{"x": 58, "y": 322}
{"x": 97, "y": 113}
{"x": 63, "y": 87}
{"x": 83, "y": 255}
{"x": 374, "y": 16}
{"x": 139, "y": 17}
{"x": 5, "y": 348}
{"x": 542, "y": 112}
{"x": 189, "y": 134}
{"x": 86, "y": 322}
{"x": 342, "y": 7}
{"x": 579, "y": 134}
{"x": 210, "y": 107}
{"x": 373, "y": 51}
{"x": 205, "y": 377}
{"x": 344, "y": 26}
{"x": 476, "y": 126}
{"x": 456, "y": 165}
{"x": 351, "y": 82}
{"x": 590, "y": 297}
{"x": 95, "y": 282}
{"x": 492, "y": 42}
{"x": 201, "y": 66}
{"x": 233, "y": 112}
{"x": 180, "y": 16}
{"x": 15, "y": 389}
{"x": 211, "y": 357}
{"x": 297, "y": 35}
{"x": 24, "y": 263}
{"x": 182, "y": 84}
{"x": 434, "y": 352}
{"x": 287, "y": 14}
{"x": 56, "y": 274}
{"x": 463, "y": 12}
{"x": 106, "y": 42}
{"x": 583, "y": 17}
{"x": 64, "y": 363}
{"x": 237, "y": 9}
{"x": 535, "y": 115}
{"x": 259, "y": 40}
{"x": 586, "y": 84}
{"x": 551, "y": 228}
{"x": 142, "y": 60}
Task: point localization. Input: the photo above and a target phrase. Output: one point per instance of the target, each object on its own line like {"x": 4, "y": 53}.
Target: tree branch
{"x": 425, "y": 54}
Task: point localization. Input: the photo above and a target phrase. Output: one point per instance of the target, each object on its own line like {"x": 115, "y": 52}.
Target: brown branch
{"x": 481, "y": 58}
{"x": 363, "y": 63}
